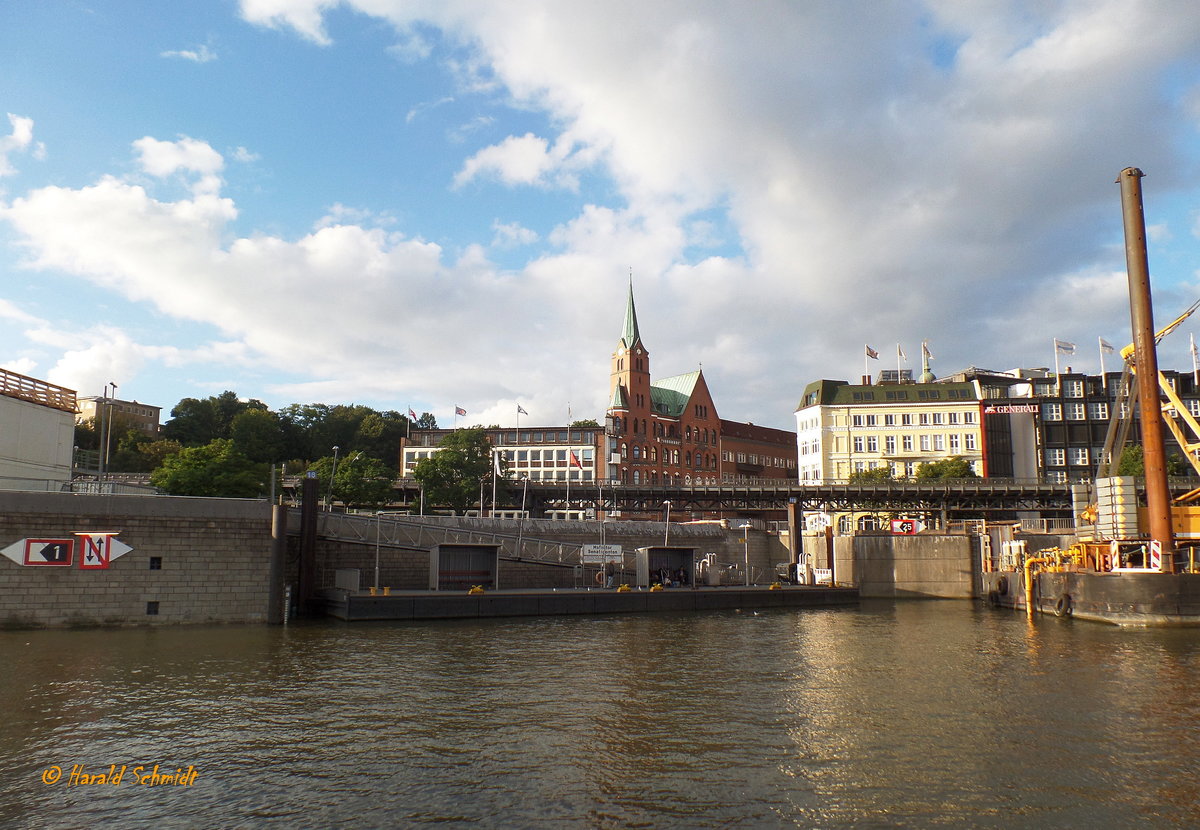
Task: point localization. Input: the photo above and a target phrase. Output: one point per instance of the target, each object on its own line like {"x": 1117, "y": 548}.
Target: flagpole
{"x": 866, "y": 357}
{"x": 495, "y": 472}
{"x": 1057, "y": 380}
{"x": 898, "y": 353}
{"x": 1101, "y": 339}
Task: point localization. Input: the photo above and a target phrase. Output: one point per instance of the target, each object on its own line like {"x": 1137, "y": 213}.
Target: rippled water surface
{"x": 918, "y": 714}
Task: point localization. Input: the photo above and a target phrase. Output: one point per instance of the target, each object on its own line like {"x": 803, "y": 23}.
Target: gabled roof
{"x": 669, "y": 396}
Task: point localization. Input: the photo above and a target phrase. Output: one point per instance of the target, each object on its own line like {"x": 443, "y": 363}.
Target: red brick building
{"x": 667, "y": 431}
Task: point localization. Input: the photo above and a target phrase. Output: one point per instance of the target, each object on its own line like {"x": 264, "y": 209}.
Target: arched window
{"x": 870, "y": 522}
{"x": 653, "y": 453}
{"x": 636, "y": 477}
{"x": 845, "y": 525}
{"x": 688, "y": 435}
{"x": 687, "y": 458}
{"x": 674, "y": 456}
{"x": 637, "y": 452}
{"x": 624, "y": 450}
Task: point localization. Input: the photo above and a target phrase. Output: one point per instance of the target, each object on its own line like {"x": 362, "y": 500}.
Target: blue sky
{"x": 422, "y": 205}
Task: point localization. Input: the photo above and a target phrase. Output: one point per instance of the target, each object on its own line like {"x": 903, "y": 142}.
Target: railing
{"x": 37, "y": 391}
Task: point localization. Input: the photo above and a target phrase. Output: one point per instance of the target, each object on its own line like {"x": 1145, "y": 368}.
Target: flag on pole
{"x": 412, "y": 415}
{"x": 496, "y": 463}
{"x": 925, "y": 349}
{"x": 1063, "y": 347}
{"x": 1195, "y": 355}
{"x": 871, "y": 353}
{"x": 900, "y": 353}
{"x": 458, "y": 410}
{"x": 1106, "y": 347}
{"x": 575, "y": 460}
{"x": 521, "y": 410}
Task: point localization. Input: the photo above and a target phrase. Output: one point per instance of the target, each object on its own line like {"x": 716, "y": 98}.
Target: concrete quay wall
{"x": 192, "y": 561}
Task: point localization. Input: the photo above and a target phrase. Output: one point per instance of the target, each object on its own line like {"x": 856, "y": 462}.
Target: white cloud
{"x": 245, "y": 156}
{"x": 511, "y": 234}
{"x": 19, "y": 139}
{"x": 935, "y": 170}
{"x": 201, "y": 54}
{"x": 525, "y": 159}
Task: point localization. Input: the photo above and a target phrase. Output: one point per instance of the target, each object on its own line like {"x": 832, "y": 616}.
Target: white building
{"x": 37, "y": 433}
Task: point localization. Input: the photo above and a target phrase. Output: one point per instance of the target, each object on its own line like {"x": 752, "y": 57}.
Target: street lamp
{"x": 332, "y": 476}
{"x": 378, "y": 517}
{"x": 746, "y": 549}
{"x": 667, "y": 528}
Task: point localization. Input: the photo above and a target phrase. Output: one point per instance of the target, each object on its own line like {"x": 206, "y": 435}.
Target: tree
{"x": 879, "y": 475}
{"x": 258, "y": 435}
{"x": 215, "y": 470}
{"x": 426, "y": 421}
{"x": 451, "y": 476}
{"x": 1133, "y": 463}
{"x": 360, "y": 481}
{"x": 195, "y": 422}
{"x": 586, "y": 422}
{"x": 953, "y": 467}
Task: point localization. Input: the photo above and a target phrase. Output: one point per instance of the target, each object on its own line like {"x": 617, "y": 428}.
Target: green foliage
{"x": 586, "y": 422}
{"x": 953, "y": 467}
{"x": 879, "y": 475}
{"x": 360, "y": 481}
{"x": 451, "y": 477}
{"x": 196, "y": 422}
{"x": 258, "y": 435}
{"x": 426, "y": 421}
{"x": 215, "y": 470}
{"x": 1133, "y": 463}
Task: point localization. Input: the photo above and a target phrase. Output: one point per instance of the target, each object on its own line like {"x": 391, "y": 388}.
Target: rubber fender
{"x": 1002, "y": 586}
{"x": 1062, "y": 606}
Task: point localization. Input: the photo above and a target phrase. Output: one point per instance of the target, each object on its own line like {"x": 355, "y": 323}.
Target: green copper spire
{"x": 630, "y": 334}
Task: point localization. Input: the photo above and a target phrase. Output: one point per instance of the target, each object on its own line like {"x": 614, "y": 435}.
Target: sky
{"x": 429, "y": 205}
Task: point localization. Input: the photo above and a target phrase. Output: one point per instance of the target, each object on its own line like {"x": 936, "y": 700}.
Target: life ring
{"x": 600, "y": 577}
{"x": 1002, "y": 586}
{"x": 1062, "y": 606}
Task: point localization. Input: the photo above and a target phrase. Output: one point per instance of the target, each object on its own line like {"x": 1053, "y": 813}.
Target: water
{"x": 909, "y": 715}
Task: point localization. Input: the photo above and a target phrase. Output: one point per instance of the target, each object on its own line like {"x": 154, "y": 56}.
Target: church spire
{"x": 630, "y": 334}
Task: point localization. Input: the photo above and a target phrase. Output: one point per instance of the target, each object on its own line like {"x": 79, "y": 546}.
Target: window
{"x": 1079, "y": 456}
{"x": 939, "y": 443}
{"x": 952, "y": 418}
{"x": 906, "y": 442}
{"x": 937, "y": 417}
{"x": 857, "y": 420}
{"x": 889, "y": 420}
{"x": 968, "y": 417}
{"x": 969, "y": 442}
{"x": 924, "y": 419}
{"x": 156, "y": 563}
{"x": 889, "y": 444}
{"x": 1192, "y": 405}
{"x": 1073, "y": 389}
{"x": 954, "y": 442}
{"x": 925, "y": 443}
{"x": 872, "y": 443}
{"x": 1051, "y": 412}
{"x": 872, "y": 420}
{"x": 1056, "y": 457}
{"x": 858, "y": 443}
{"x": 1099, "y": 411}
{"x": 906, "y": 419}
{"x": 1075, "y": 412}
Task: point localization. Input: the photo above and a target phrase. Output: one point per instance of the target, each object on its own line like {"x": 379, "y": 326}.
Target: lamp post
{"x": 746, "y": 549}
{"x": 332, "y": 476}
{"x": 378, "y": 519}
{"x": 667, "y": 524}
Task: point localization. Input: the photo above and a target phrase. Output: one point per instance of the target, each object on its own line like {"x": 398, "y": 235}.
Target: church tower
{"x": 629, "y": 383}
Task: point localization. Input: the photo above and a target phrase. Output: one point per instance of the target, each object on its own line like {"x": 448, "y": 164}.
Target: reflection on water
{"x": 913, "y": 714}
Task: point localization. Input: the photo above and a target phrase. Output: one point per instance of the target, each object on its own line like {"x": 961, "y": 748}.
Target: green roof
{"x": 630, "y": 334}
{"x": 669, "y": 396}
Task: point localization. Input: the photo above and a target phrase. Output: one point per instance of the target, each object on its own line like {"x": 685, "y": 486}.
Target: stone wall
{"x": 213, "y": 557}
